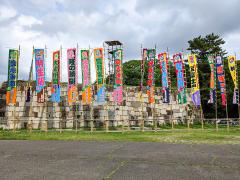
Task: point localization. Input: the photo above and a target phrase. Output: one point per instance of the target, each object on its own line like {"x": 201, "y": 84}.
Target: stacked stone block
{"x": 62, "y": 115}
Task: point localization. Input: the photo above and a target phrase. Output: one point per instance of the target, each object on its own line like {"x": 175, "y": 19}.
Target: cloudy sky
{"x": 166, "y": 23}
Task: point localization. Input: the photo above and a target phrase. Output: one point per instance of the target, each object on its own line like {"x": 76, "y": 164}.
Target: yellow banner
{"x": 192, "y": 61}
{"x": 233, "y": 69}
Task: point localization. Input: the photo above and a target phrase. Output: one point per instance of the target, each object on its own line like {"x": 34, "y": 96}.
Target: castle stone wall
{"x": 62, "y": 115}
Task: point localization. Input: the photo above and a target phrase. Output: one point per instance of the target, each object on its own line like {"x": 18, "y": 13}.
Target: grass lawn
{"x": 206, "y": 136}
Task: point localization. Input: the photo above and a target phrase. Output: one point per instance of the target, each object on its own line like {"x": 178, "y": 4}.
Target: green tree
{"x": 210, "y": 44}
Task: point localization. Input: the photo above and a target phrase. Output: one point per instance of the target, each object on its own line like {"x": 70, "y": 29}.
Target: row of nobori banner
{"x": 163, "y": 60}
{"x": 72, "y": 61}
{"x": 148, "y": 55}
{"x": 217, "y": 77}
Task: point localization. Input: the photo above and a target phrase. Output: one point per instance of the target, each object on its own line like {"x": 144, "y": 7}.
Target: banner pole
{"x": 226, "y": 107}
{"x": 60, "y": 121}
{"x": 170, "y": 88}
{"x": 237, "y": 89}
{"x": 91, "y": 103}
{"x": 141, "y": 86}
{"x": 154, "y": 105}
{"x": 30, "y": 87}
{"x": 185, "y": 85}
{"x": 216, "y": 104}
{"x": 45, "y": 128}
{"x": 107, "y": 85}
{"x": 76, "y": 121}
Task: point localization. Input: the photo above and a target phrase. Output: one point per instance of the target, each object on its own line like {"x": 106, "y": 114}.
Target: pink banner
{"x": 118, "y": 94}
{"x": 85, "y": 68}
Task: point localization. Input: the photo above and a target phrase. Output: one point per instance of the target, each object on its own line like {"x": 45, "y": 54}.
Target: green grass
{"x": 192, "y": 136}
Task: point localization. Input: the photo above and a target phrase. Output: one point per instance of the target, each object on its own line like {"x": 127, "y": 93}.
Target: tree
{"x": 210, "y": 44}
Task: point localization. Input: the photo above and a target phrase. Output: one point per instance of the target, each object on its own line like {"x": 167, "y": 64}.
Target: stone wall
{"x": 61, "y": 115}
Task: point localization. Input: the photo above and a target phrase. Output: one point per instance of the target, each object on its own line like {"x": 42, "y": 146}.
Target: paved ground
{"x": 116, "y": 160}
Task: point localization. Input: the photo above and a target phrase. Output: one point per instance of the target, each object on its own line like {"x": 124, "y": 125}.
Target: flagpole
{"x": 19, "y": 53}
{"x": 141, "y": 86}
{"x": 185, "y": 83}
{"x": 29, "y": 85}
{"x": 237, "y": 90}
{"x": 45, "y": 128}
{"x": 60, "y": 122}
{"x": 170, "y": 87}
{"x": 216, "y": 105}
{"x": 15, "y": 121}
{"x": 76, "y": 122}
{"x": 226, "y": 107}
{"x": 201, "y": 109}
{"x": 154, "y": 105}
{"x": 91, "y": 103}
{"x": 60, "y": 64}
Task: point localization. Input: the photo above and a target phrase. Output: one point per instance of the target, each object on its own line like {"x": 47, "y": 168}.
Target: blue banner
{"x": 101, "y": 95}
{"x": 40, "y": 69}
{"x": 56, "y": 92}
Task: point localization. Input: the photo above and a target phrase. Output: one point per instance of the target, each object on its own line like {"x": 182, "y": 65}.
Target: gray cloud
{"x": 166, "y": 23}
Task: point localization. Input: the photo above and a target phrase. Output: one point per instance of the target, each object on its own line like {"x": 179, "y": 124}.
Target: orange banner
{"x": 11, "y": 96}
{"x": 86, "y": 96}
{"x": 72, "y": 94}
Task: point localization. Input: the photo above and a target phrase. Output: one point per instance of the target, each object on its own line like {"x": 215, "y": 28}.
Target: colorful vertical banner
{"x": 40, "y": 74}
{"x": 232, "y": 64}
{"x": 86, "y": 86}
{"x": 144, "y": 59}
{"x": 211, "y": 61}
{"x": 72, "y": 75}
{"x": 151, "y": 53}
{"x": 99, "y": 64}
{"x": 163, "y": 61}
{"x": 56, "y": 89}
{"x": 181, "y": 83}
{"x": 13, "y": 59}
{"x": 195, "y": 90}
{"x": 221, "y": 79}
{"x": 118, "y": 84}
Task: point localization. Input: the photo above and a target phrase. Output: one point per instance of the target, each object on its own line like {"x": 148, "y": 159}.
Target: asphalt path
{"x": 58, "y": 160}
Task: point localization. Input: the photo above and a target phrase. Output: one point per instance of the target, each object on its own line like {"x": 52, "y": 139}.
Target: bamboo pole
{"x": 44, "y": 92}
{"x": 109, "y": 81}
{"x": 60, "y": 122}
{"x": 122, "y": 119}
{"x": 91, "y": 116}
{"x": 154, "y": 105}
{"x": 141, "y": 88}
{"x": 216, "y": 103}
{"x": 216, "y": 112}
{"x": 202, "y": 123}
{"x": 238, "y": 111}
{"x": 126, "y": 102}
{"x": 237, "y": 91}
{"x": 91, "y": 103}
{"x": 226, "y": 107}
{"x": 76, "y": 123}
{"x": 185, "y": 82}
{"x": 170, "y": 89}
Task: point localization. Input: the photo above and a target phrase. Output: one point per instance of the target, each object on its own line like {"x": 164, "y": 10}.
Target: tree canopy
{"x": 210, "y": 44}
